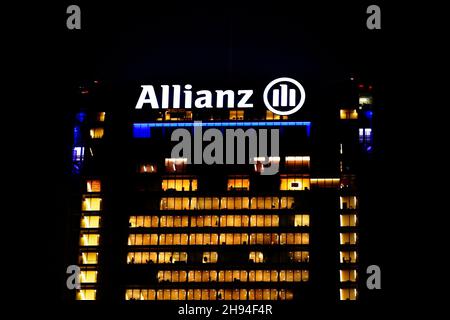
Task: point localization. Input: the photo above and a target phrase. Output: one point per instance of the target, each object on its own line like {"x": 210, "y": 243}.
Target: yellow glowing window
{"x": 93, "y": 186}
{"x": 365, "y": 100}
{"x": 96, "y": 133}
{"x": 265, "y": 203}
{"x": 234, "y": 203}
{"x": 179, "y": 184}
{"x": 170, "y": 257}
{"x": 294, "y": 184}
{"x": 171, "y": 294}
{"x": 142, "y": 257}
{"x": 297, "y": 162}
{"x": 348, "y": 238}
{"x": 143, "y": 221}
{"x": 178, "y": 115}
{"x": 89, "y": 257}
{"x": 264, "y": 238}
{"x": 86, "y": 294}
{"x": 239, "y": 184}
{"x": 294, "y": 238}
{"x": 172, "y": 276}
{"x": 234, "y": 221}
{"x": 325, "y": 182}
{"x": 348, "y": 294}
{"x": 142, "y": 239}
{"x": 346, "y": 114}
{"x": 233, "y": 238}
{"x": 301, "y": 220}
{"x": 203, "y": 239}
{"x": 236, "y": 115}
{"x": 147, "y": 168}
{"x": 256, "y": 256}
{"x": 261, "y": 163}
{"x": 90, "y": 221}
{"x": 348, "y": 275}
{"x": 176, "y": 164}
{"x": 299, "y": 256}
{"x": 273, "y": 116}
{"x": 264, "y": 220}
{"x": 348, "y": 220}
{"x": 88, "y": 276}
{"x": 138, "y": 294}
{"x": 210, "y": 257}
{"x": 101, "y": 116}
{"x": 89, "y": 239}
{"x": 348, "y": 202}
{"x": 91, "y": 204}
{"x": 348, "y": 256}
{"x": 205, "y": 203}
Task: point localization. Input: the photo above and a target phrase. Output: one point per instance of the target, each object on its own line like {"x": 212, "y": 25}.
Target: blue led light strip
{"x": 142, "y": 130}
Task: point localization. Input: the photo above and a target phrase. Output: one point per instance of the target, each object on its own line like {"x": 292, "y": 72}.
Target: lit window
{"x": 91, "y": 204}
{"x": 89, "y": 257}
{"x": 143, "y": 221}
{"x": 346, "y": 114}
{"x": 90, "y": 221}
{"x": 260, "y": 163}
{"x": 147, "y": 168}
{"x": 101, "y": 116}
{"x": 93, "y": 186}
{"x": 177, "y": 115}
{"x": 299, "y": 256}
{"x": 294, "y": 238}
{"x": 348, "y": 275}
{"x": 86, "y": 294}
{"x": 89, "y": 239}
{"x": 348, "y": 238}
{"x": 205, "y": 221}
{"x": 325, "y": 183}
{"x": 348, "y": 220}
{"x": 234, "y": 203}
{"x": 176, "y": 164}
{"x": 256, "y": 256}
{"x": 296, "y": 163}
{"x": 264, "y": 221}
{"x": 273, "y": 116}
{"x": 348, "y": 202}
{"x": 238, "y": 183}
{"x": 348, "y": 256}
{"x": 233, "y": 238}
{"x": 179, "y": 184}
{"x": 236, "y": 115}
{"x": 142, "y": 257}
{"x": 97, "y": 133}
{"x": 348, "y": 294}
{"x": 142, "y": 239}
{"x": 88, "y": 276}
{"x": 301, "y": 220}
{"x": 137, "y": 294}
{"x": 365, "y": 135}
{"x": 365, "y": 100}
{"x": 294, "y": 183}
{"x": 264, "y": 238}
{"x": 209, "y": 257}
{"x": 78, "y": 154}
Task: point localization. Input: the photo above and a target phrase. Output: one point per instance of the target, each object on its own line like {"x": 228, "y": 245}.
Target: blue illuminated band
{"x": 142, "y": 130}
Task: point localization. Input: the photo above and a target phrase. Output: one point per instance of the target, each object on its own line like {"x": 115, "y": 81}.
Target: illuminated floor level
{"x": 209, "y": 294}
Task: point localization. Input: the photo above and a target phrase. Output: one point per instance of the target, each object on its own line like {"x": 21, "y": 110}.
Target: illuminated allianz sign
{"x": 282, "y": 96}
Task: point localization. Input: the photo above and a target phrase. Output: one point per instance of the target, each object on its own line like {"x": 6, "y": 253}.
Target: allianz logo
{"x": 282, "y": 96}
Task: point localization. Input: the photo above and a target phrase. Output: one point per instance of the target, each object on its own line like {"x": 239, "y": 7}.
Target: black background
{"x": 126, "y": 42}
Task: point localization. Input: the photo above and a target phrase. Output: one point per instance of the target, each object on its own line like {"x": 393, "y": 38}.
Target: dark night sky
{"x": 124, "y": 42}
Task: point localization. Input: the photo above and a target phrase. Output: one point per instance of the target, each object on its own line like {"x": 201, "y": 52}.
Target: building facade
{"x": 144, "y": 225}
